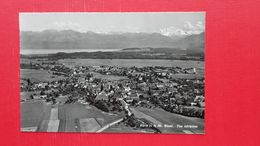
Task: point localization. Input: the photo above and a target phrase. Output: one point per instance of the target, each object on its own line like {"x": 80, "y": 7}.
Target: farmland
{"x": 69, "y": 117}
{"x": 173, "y": 120}
{"x": 39, "y": 75}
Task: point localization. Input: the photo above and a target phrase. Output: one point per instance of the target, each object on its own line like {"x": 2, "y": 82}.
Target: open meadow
{"x": 39, "y": 75}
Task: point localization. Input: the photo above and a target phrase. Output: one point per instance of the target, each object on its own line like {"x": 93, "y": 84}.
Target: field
{"x": 32, "y": 113}
{"x": 63, "y": 118}
{"x": 39, "y": 75}
{"x": 159, "y": 116}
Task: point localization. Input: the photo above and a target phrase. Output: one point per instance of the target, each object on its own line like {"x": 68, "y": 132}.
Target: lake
{"x": 134, "y": 62}
{"x": 53, "y": 51}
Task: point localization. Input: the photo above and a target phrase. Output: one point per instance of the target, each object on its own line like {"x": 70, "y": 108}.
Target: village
{"x": 130, "y": 87}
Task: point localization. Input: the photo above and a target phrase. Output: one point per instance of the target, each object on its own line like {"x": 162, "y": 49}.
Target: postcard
{"x": 113, "y": 72}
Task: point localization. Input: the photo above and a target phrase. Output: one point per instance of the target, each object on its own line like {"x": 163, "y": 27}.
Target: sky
{"x": 166, "y": 23}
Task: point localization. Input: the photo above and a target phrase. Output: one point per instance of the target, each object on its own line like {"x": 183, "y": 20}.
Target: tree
{"x": 101, "y": 105}
{"x": 29, "y": 82}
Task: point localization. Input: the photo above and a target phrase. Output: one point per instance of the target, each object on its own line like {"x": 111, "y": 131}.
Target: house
{"x": 39, "y": 96}
{"x": 132, "y": 97}
{"x": 41, "y": 85}
{"x": 143, "y": 95}
{"x": 193, "y": 104}
{"x": 202, "y": 104}
{"x": 172, "y": 100}
{"x": 127, "y": 88}
{"x": 160, "y": 87}
{"x": 102, "y": 96}
{"x": 143, "y": 86}
{"x": 199, "y": 99}
{"x": 190, "y": 70}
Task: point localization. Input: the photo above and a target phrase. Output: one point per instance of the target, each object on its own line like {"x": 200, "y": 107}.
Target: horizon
{"x": 165, "y": 23}
{"x": 108, "y": 33}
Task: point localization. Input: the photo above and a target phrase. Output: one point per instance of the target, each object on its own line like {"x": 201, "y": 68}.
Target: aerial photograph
{"x": 116, "y": 72}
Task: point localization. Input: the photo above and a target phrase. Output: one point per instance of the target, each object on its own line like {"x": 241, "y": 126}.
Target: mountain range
{"x": 70, "y": 39}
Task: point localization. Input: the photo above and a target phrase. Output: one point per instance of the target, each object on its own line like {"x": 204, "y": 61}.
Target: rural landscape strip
{"x": 54, "y": 113}
{"x": 43, "y": 126}
{"x": 140, "y": 114}
{"x": 53, "y": 125}
{"x": 89, "y": 125}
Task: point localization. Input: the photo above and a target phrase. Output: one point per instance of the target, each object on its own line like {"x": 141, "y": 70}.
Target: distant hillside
{"x": 114, "y": 55}
{"x": 69, "y": 39}
{"x": 165, "y": 50}
{"x": 195, "y": 44}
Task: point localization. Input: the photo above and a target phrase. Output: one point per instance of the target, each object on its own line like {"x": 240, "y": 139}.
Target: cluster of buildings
{"x": 157, "y": 71}
{"x": 143, "y": 86}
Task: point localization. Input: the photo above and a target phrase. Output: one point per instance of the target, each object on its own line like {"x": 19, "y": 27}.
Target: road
{"x": 109, "y": 125}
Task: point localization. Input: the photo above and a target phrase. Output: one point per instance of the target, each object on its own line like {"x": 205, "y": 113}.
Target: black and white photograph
{"x": 112, "y": 72}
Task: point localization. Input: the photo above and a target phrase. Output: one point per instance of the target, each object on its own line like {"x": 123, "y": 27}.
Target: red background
{"x": 232, "y": 72}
